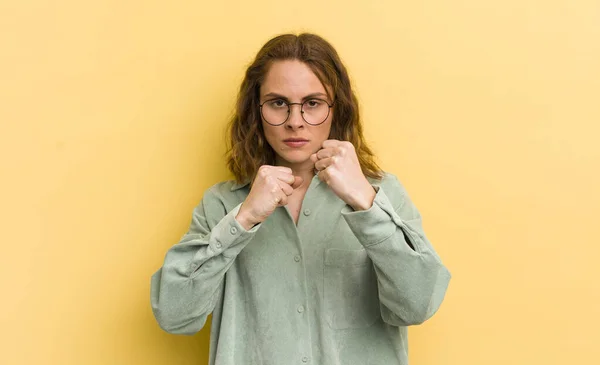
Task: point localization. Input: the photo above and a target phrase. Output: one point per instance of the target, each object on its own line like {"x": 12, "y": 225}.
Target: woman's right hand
{"x": 270, "y": 189}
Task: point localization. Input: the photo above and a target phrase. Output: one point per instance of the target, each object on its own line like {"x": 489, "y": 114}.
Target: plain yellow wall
{"x": 111, "y": 127}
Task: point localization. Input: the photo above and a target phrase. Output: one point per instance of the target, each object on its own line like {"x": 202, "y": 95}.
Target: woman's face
{"x": 295, "y": 140}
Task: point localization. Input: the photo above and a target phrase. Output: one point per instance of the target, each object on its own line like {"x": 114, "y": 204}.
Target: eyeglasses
{"x": 277, "y": 111}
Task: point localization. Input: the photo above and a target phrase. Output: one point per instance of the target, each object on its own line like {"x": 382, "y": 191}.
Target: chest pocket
{"x": 350, "y": 289}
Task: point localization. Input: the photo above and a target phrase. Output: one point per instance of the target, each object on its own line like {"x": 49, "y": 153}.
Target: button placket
{"x": 303, "y": 314}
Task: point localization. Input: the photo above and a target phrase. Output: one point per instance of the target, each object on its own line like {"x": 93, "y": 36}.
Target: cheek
{"x": 270, "y": 133}
{"x": 325, "y": 131}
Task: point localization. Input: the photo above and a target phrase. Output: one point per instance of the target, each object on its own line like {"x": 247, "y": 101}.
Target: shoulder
{"x": 225, "y": 188}
{"x": 217, "y": 201}
{"x": 390, "y": 183}
{"x": 227, "y": 194}
{"x": 390, "y": 188}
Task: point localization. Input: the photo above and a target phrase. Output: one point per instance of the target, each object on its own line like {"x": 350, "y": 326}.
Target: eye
{"x": 314, "y": 103}
{"x": 277, "y": 103}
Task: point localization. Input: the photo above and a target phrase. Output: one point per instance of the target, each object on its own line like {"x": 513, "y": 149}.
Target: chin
{"x": 295, "y": 157}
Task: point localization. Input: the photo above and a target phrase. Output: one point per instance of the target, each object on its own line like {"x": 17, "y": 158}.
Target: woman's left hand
{"x": 337, "y": 165}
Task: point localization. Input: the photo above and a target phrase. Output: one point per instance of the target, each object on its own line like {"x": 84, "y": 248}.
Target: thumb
{"x": 297, "y": 182}
{"x": 314, "y": 158}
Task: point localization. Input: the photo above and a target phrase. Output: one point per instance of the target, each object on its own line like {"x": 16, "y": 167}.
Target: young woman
{"x": 313, "y": 255}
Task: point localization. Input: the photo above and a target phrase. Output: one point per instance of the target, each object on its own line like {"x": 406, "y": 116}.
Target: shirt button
{"x": 233, "y": 230}
{"x": 297, "y": 258}
{"x": 218, "y": 245}
{"x": 301, "y": 309}
{"x": 307, "y": 212}
{"x": 305, "y": 359}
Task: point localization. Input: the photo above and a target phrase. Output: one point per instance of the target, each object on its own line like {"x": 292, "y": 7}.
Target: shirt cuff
{"x": 229, "y": 232}
{"x": 373, "y": 225}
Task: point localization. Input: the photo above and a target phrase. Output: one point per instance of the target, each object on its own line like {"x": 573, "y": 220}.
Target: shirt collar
{"x": 237, "y": 186}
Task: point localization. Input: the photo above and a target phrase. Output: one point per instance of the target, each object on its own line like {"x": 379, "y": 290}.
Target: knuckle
{"x": 263, "y": 172}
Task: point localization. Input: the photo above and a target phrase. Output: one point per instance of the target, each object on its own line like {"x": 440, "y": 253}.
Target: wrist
{"x": 245, "y": 220}
{"x": 363, "y": 200}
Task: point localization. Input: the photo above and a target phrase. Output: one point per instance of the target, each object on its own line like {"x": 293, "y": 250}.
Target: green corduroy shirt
{"x": 338, "y": 288}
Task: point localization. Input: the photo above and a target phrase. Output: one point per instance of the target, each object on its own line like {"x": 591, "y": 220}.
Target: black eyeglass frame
{"x": 301, "y": 110}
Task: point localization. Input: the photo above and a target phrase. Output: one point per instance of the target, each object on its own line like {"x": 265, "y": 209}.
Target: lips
{"x": 295, "y": 142}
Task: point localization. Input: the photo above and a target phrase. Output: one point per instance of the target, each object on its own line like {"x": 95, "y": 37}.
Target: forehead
{"x": 291, "y": 78}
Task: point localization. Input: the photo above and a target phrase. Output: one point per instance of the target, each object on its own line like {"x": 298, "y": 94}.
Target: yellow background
{"x": 112, "y": 117}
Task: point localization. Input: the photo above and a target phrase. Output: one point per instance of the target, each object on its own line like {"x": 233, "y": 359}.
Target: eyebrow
{"x": 309, "y": 96}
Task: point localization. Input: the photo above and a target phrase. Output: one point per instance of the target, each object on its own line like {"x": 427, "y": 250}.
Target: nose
{"x": 295, "y": 121}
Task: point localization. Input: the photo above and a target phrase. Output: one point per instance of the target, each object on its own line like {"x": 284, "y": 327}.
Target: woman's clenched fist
{"x": 270, "y": 189}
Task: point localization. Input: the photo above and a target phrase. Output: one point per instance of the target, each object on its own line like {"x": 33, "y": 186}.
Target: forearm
{"x": 184, "y": 291}
{"x": 412, "y": 281}
{"x": 411, "y": 284}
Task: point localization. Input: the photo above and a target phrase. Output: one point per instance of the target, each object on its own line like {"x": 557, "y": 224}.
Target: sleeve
{"x": 186, "y": 288}
{"x": 412, "y": 281}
